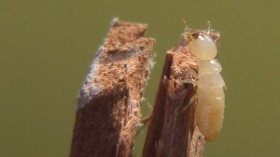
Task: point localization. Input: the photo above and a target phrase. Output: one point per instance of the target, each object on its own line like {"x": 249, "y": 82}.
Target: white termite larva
{"x": 210, "y": 84}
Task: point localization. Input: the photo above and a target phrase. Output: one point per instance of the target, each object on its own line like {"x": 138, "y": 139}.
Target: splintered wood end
{"x": 110, "y": 99}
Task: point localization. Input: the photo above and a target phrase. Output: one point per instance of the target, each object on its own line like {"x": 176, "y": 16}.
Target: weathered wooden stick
{"x": 172, "y": 131}
{"x": 109, "y": 103}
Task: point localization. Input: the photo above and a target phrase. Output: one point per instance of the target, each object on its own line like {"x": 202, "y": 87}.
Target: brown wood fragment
{"x": 172, "y": 130}
{"x": 109, "y": 103}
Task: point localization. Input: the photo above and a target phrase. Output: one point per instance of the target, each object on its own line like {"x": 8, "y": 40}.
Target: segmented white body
{"x": 210, "y": 86}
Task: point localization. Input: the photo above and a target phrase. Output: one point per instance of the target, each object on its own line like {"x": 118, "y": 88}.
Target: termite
{"x": 210, "y": 98}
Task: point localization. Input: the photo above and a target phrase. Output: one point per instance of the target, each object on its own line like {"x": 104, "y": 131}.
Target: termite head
{"x": 203, "y": 46}
{"x": 200, "y": 42}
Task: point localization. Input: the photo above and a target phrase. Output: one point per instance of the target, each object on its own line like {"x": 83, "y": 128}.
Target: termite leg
{"x": 146, "y": 119}
{"x": 192, "y": 77}
{"x": 193, "y": 101}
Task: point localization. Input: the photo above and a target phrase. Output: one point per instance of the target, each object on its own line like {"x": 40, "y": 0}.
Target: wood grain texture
{"x": 109, "y": 103}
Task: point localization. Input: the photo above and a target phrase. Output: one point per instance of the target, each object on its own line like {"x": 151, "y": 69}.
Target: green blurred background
{"x": 46, "y": 47}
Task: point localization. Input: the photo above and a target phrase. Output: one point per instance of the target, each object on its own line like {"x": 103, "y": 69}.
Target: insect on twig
{"x": 210, "y": 84}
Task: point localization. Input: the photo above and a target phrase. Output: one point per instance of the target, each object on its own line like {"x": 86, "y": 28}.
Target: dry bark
{"x": 109, "y": 103}
{"x": 172, "y": 129}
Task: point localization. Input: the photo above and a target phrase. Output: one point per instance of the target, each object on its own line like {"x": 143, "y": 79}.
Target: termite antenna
{"x": 187, "y": 29}
{"x": 209, "y": 27}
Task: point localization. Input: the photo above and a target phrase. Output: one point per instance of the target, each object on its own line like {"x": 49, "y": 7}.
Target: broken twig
{"x": 109, "y": 102}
